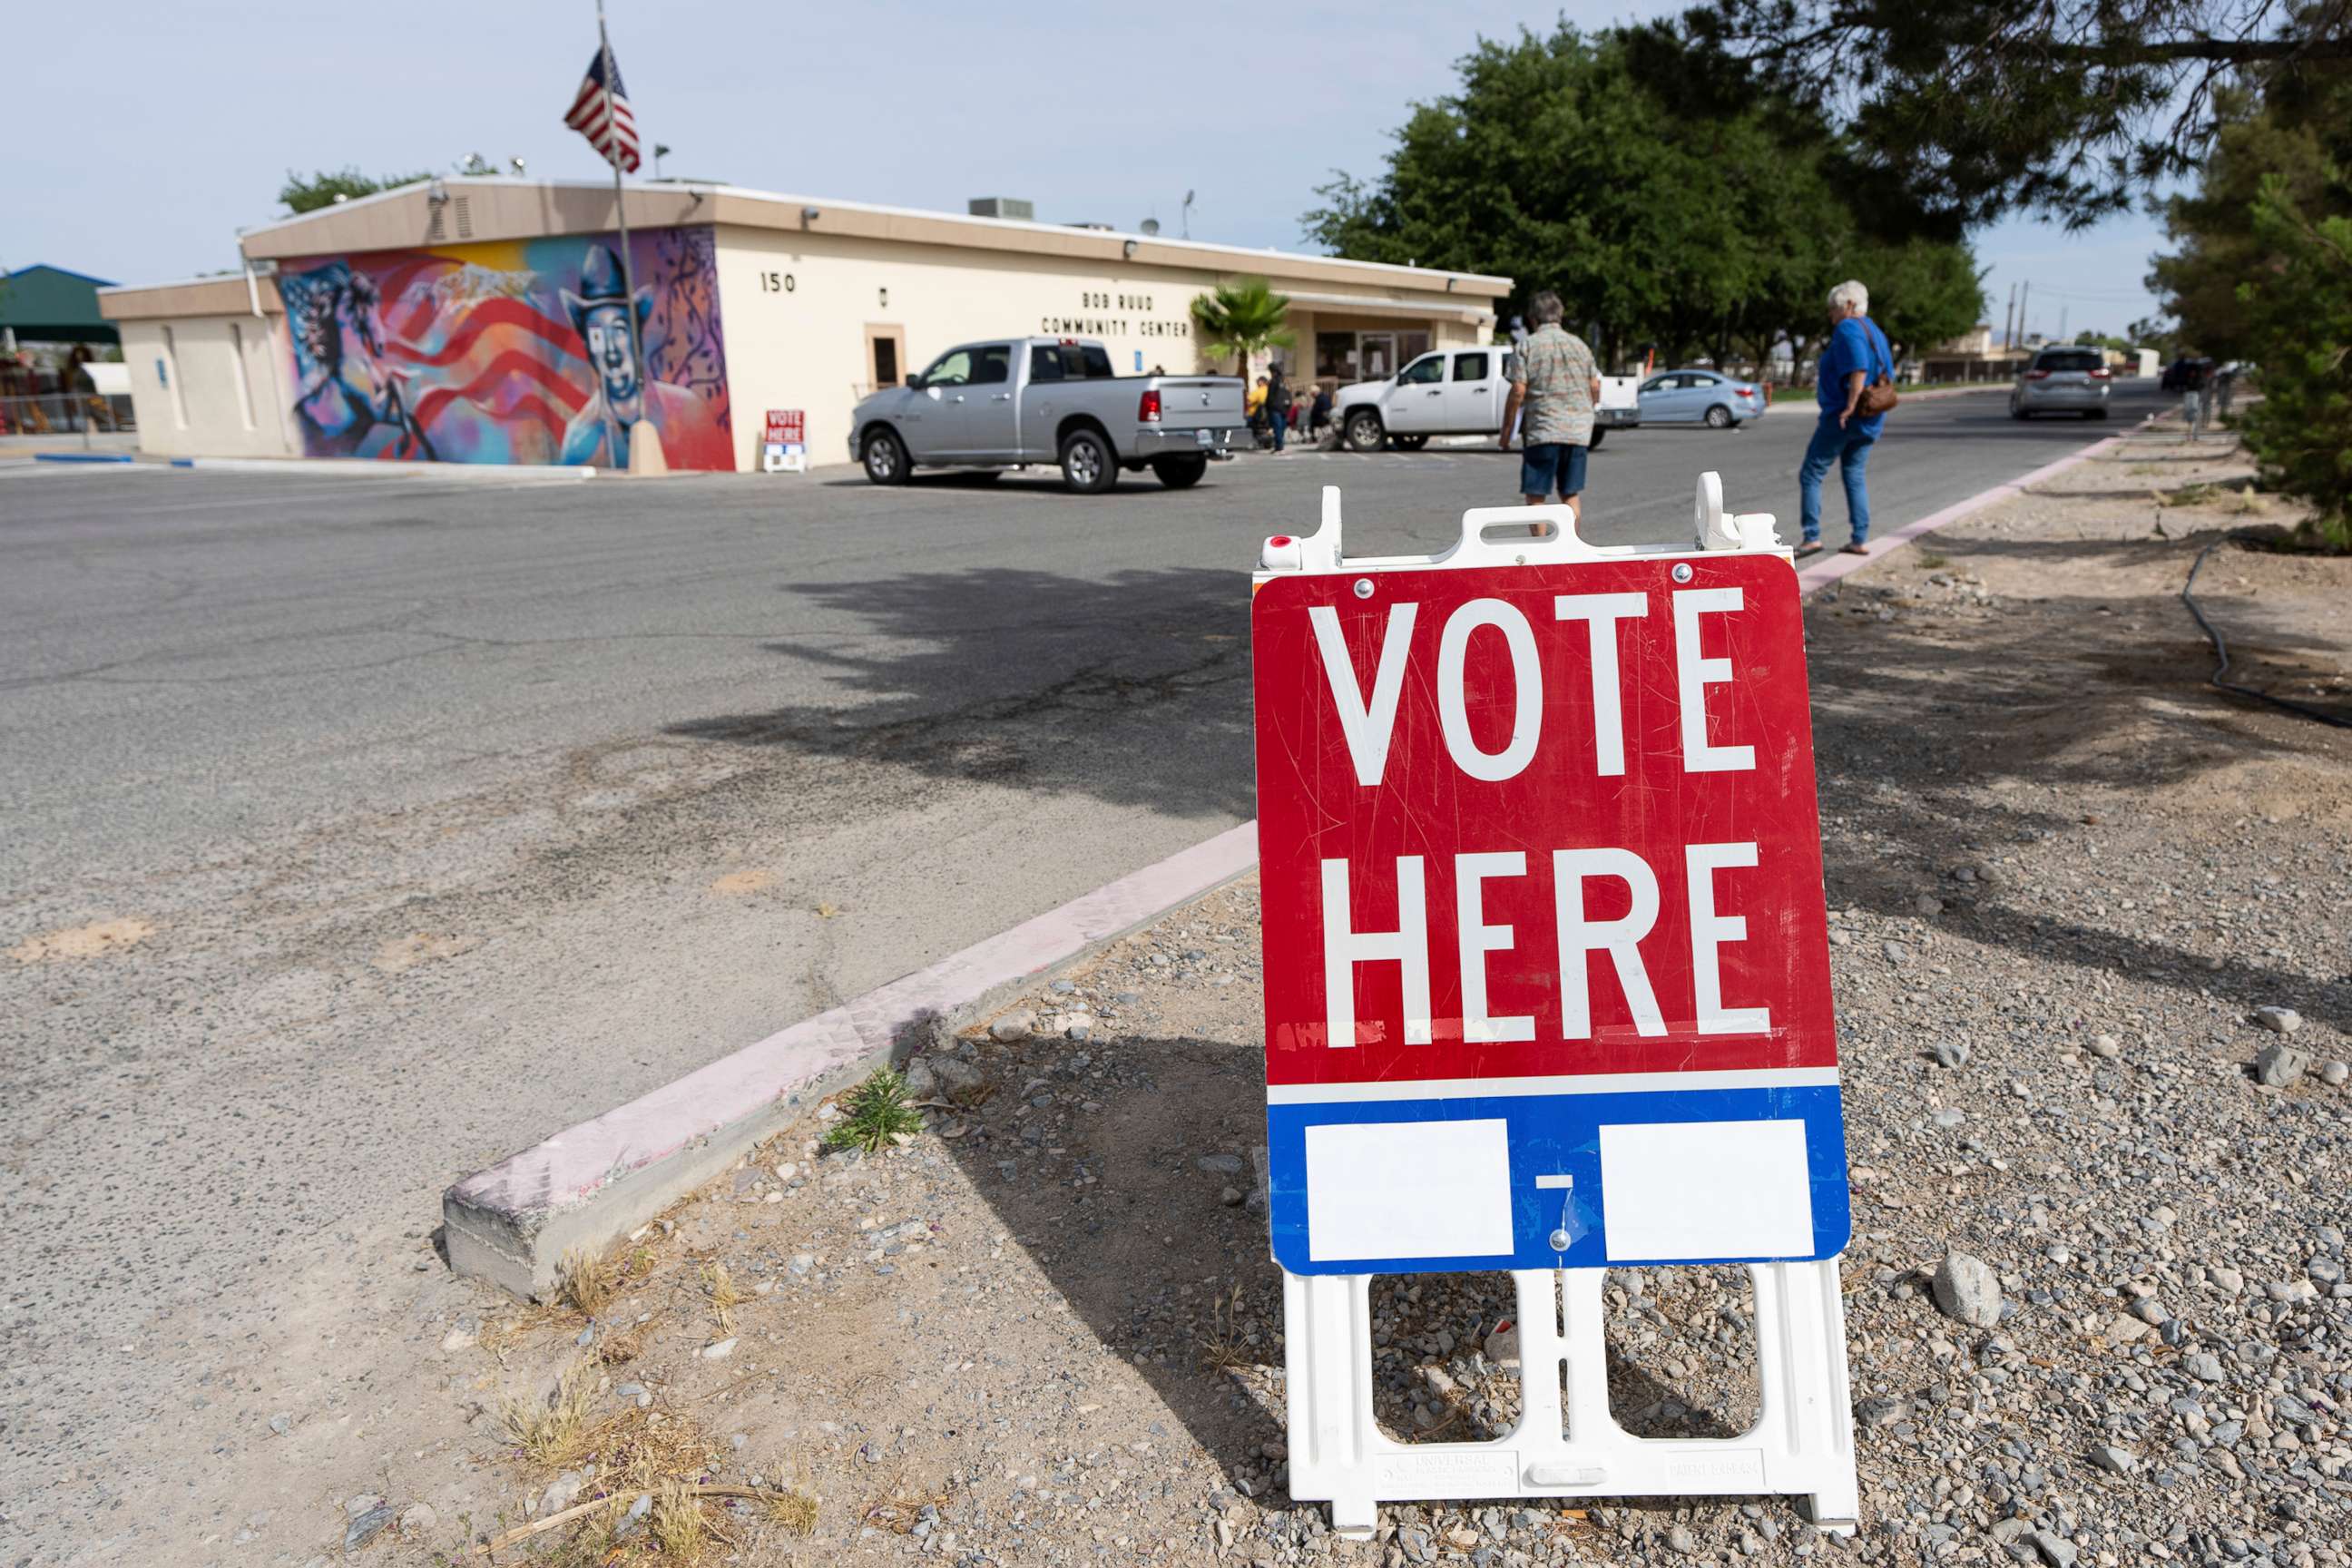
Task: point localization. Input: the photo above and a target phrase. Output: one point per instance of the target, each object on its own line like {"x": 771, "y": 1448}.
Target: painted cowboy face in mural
{"x": 600, "y": 314}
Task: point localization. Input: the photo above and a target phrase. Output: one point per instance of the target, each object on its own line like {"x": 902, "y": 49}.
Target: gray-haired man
{"x": 1558, "y": 386}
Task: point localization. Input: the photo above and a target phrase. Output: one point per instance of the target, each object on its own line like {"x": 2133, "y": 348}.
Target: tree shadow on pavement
{"x": 1131, "y": 688}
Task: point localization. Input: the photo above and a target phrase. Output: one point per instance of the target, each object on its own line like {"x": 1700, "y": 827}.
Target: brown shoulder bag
{"x": 1879, "y": 395}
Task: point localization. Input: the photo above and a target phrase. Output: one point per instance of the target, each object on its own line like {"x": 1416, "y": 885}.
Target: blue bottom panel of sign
{"x": 1537, "y": 1181}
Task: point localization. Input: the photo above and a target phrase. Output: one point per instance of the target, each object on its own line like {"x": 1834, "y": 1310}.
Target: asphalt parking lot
{"x": 378, "y": 826}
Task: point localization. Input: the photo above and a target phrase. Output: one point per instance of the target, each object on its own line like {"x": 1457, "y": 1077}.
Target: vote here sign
{"x": 1546, "y": 961}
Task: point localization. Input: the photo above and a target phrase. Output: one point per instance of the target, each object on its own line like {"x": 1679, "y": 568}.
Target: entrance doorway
{"x": 1366, "y": 356}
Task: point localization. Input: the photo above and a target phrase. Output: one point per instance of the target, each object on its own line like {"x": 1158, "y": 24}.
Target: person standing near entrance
{"x": 1857, "y": 359}
{"x": 1557, "y": 386}
{"x": 1277, "y": 404}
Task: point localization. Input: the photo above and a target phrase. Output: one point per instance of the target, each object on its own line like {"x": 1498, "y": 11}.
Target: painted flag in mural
{"x": 601, "y": 111}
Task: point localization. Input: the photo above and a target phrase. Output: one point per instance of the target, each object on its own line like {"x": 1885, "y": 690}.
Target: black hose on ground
{"x": 2221, "y": 650}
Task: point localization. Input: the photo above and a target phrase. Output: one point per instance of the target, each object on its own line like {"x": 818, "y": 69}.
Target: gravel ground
{"x": 2064, "y": 879}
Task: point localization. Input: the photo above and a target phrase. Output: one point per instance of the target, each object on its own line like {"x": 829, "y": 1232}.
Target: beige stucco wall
{"x": 804, "y": 346}
{"x": 228, "y": 401}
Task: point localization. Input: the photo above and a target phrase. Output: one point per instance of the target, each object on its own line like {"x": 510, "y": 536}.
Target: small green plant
{"x": 874, "y": 1113}
{"x": 1933, "y": 561}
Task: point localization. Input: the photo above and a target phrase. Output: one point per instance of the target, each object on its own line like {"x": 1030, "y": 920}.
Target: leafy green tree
{"x": 2212, "y": 226}
{"x": 2298, "y": 310}
{"x": 309, "y": 193}
{"x": 1560, "y": 165}
{"x": 1921, "y": 292}
{"x": 1243, "y": 317}
{"x": 1973, "y": 107}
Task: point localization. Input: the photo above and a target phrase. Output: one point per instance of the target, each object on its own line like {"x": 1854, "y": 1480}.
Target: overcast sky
{"x": 178, "y": 122}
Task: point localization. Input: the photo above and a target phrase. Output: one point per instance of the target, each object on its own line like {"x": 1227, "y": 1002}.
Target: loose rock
{"x": 2279, "y": 1020}
{"x": 1967, "y": 1289}
{"x": 2280, "y": 1066}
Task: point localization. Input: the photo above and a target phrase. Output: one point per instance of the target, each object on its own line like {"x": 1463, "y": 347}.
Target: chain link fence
{"x": 66, "y": 414}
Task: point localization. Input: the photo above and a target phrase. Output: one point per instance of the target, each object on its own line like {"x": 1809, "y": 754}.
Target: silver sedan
{"x": 2063, "y": 381}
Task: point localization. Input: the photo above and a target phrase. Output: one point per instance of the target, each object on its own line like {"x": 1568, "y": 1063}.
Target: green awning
{"x": 51, "y": 305}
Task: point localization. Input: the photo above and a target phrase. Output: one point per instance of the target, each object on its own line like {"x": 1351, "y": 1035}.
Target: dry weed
{"x": 584, "y": 1282}
{"x": 1223, "y": 1348}
{"x": 620, "y": 1346}
{"x": 553, "y": 1430}
{"x": 719, "y": 1286}
{"x": 676, "y": 1523}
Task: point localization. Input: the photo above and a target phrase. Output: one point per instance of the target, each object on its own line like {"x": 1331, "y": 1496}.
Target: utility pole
{"x": 2024, "y": 293}
{"x": 2061, "y": 323}
{"x": 2008, "y": 322}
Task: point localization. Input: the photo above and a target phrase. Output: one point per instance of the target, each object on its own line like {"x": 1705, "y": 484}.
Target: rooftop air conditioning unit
{"x": 1011, "y": 207}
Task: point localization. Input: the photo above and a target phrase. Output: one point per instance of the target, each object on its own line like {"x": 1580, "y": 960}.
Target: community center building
{"x": 484, "y": 320}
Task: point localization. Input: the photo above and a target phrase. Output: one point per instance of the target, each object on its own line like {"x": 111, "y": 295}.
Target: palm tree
{"x": 1242, "y": 317}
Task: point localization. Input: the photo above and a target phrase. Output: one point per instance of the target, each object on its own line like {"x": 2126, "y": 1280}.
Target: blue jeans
{"x": 1279, "y": 419}
{"x": 1849, "y": 448}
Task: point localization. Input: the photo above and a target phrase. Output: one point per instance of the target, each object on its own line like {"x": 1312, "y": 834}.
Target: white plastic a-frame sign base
{"x": 1567, "y": 1444}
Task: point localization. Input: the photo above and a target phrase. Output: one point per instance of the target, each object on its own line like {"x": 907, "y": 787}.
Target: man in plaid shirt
{"x": 1558, "y": 386}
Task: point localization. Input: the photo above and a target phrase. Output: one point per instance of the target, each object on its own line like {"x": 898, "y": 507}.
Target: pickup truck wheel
{"x": 1180, "y": 473}
{"x": 885, "y": 459}
{"x": 1410, "y": 443}
{"x": 1365, "y": 431}
{"x": 1088, "y": 465}
{"x": 1599, "y": 432}
{"x": 1719, "y": 418}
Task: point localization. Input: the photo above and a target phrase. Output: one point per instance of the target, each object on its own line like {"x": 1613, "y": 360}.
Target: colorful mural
{"x": 510, "y": 352}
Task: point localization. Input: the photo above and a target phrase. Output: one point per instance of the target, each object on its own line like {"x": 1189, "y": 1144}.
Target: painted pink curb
{"x": 590, "y": 1183}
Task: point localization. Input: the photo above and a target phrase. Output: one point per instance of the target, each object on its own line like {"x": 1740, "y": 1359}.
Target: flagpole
{"x": 621, "y": 215}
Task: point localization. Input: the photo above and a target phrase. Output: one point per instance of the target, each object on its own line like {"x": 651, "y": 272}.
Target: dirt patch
{"x": 93, "y": 941}
{"x": 404, "y": 953}
{"x": 738, "y": 883}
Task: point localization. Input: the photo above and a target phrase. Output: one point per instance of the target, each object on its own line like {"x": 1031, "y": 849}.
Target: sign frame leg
{"x": 1801, "y": 1445}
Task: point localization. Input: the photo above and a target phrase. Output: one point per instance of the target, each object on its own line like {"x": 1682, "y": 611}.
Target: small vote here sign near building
{"x": 1547, "y": 964}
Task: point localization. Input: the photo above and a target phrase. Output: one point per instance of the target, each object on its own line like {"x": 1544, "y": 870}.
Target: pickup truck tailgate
{"x": 1189, "y": 404}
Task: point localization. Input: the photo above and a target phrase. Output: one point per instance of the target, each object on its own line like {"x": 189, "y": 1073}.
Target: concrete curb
{"x": 1831, "y": 566}
{"x": 482, "y": 473}
{"x": 592, "y": 1184}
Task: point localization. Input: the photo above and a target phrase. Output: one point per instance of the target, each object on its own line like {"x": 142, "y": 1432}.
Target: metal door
{"x": 1470, "y": 402}
{"x": 1416, "y": 403}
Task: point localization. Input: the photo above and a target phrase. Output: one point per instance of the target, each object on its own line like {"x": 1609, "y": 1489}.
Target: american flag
{"x": 600, "y": 113}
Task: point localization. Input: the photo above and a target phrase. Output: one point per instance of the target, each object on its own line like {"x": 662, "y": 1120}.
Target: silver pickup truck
{"x": 994, "y": 406}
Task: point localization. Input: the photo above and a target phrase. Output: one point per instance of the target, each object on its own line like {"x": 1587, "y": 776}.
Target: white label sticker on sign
{"x": 1706, "y": 1189}
{"x": 1409, "y": 1189}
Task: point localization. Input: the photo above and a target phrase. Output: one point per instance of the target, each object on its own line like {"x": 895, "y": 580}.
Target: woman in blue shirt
{"x": 1857, "y": 352}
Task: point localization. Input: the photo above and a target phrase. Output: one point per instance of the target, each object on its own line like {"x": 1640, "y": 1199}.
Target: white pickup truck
{"x": 1457, "y": 392}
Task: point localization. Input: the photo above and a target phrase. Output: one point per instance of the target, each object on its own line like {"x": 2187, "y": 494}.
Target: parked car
{"x": 1453, "y": 392}
{"x": 2063, "y": 381}
{"x": 1700, "y": 397}
{"x": 1008, "y": 403}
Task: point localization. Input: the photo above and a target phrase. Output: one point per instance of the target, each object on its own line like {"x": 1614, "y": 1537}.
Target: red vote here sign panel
{"x": 1546, "y": 960}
